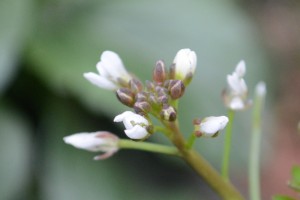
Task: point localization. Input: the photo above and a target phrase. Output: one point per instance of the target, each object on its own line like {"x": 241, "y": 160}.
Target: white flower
{"x": 185, "y": 63}
{"x": 98, "y": 141}
{"x": 136, "y": 125}
{"x": 260, "y": 89}
{"x": 112, "y": 72}
{"x": 235, "y": 96}
{"x": 210, "y": 126}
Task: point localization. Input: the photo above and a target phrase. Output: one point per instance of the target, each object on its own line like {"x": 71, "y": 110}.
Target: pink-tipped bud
{"x": 125, "y": 96}
{"x": 136, "y": 85}
{"x": 150, "y": 86}
{"x": 176, "y": 88}
{"x": 159, "y": 73}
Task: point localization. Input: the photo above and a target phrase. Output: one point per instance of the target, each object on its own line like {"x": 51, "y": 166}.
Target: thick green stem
{"x": 225, "y": 189}
{"x": 227, "y": 146}
{"x": 147, "y": 146}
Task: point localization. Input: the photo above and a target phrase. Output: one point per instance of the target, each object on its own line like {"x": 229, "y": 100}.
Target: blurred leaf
{"x": 281, "y": 197}
{"x": 15, "y": 149}
{"x": 15, "y": 23}
{"x": 72, "y": 35}
{"x": 295, "y": 181}
{"x": 296, "y": 174}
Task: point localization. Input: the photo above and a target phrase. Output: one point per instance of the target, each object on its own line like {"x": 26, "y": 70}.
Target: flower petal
{"x": 241, "y": 69}
{"x": 113, "y": 65}
{"x": 137, "y": 132}
{"x": 86, "y": 141}
{"x": 100, "y": 81}
{"x": 211, "y": 125}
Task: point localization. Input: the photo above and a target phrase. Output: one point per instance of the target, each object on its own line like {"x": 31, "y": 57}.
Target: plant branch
{"x": 147, "y": 146}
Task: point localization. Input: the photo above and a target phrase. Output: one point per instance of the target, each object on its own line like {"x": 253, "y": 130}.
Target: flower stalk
{"x": 227, "y": 146}
{"x": 254, "y": 181}
{"x": 147, "y": 146}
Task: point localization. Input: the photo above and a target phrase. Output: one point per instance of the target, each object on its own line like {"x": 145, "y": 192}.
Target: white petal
{"x": 212, "y": 125}
{"x": 237, "y": 85}
{"x": 237, "y": 104}
{"x": 100, "y": 81}
{"x": 113, "y": 65}
{"x": 260, "y": 89}
{"x": 137, "y": 132}
{"x": 241, "y": 69}
{"x": 86, "y": 141}
{"x": 185, "y": 62}
{"x": 122, "y": 116}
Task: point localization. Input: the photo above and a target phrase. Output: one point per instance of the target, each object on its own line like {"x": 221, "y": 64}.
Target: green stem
{"x": 162, "y": 130}
{"x": 225, "y": 189}
{"x": 147, "y": 146}
{"x": 189, "y": 144}
{"x": 254, "y": 185}
{"x": 254, "y": 181}
{"x": 227, "y": 146}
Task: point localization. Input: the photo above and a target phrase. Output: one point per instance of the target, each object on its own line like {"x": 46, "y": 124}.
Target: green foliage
{"x": 295, "y": 181}
{"x": 281, "y": 197}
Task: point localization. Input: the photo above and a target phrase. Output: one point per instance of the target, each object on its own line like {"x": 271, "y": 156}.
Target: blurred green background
{"x": 46, "y": 46}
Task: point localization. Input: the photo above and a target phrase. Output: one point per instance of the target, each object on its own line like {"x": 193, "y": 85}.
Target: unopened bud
{"x": 210, "y": 126}
{"x": 125, "y": 96}
{"x": 185, "y": 64}
{"x": 150, "y": 86}
{"x": 142, "y": 107}
{"x": 176, "y": 88}
{"x": 136, "y": 85}
{"x": 102, "y": 141}
{"x": 168, "y": 113}
{"x": 152, "y": 99}
{"x": 141, "y": 96}
{"x": 172, "y": 71}
{"x": 159, "y": 73}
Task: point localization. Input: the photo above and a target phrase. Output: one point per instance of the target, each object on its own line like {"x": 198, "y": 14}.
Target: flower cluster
{"x": 235, "y": 96}
{"x": 157, "y": 97}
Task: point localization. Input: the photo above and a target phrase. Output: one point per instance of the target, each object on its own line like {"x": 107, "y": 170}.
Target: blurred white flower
{"x": 260, "y": 89}
{"x": 235, "y": 96}
{"x": 210, "y": 126}
{"x": 112, "y": 73}
{"x": 185, "y": 63}
{"x": 136, "y": 125}
{"x": 102, "y": 141}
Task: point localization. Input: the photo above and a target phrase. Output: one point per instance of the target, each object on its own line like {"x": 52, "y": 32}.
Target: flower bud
{"x": 210, "y": 126}
{"x": 141, "y": 96}
{"x": 168, "y": 113}
{"x": 159, "y": 73}
{"x": 150, "y": 86}
{"x": 185, "y": 63}
{"x": 176, "y": 88}
{"x": 125, "y": 96}
{"x": 142, "y": 107}
{"x": 136, "y": 85}
{"x": 103, "y": 141}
